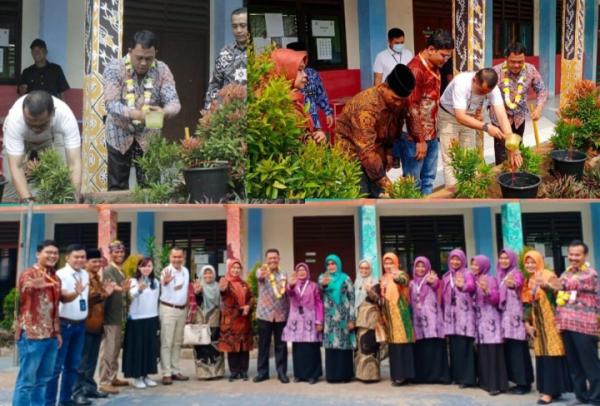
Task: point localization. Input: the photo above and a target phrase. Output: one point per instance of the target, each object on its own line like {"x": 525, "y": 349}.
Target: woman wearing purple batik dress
{"x": 516, "y": 348}
{"x": 458, "y": 286}
{"x": 431, "y": 352}
{"x": 490, "y": 351}
{"x": 305, "y": 325}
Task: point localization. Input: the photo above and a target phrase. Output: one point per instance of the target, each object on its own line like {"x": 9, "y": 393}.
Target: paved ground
{"x": 545, "y": 127}
{"x": 223, "y": 393}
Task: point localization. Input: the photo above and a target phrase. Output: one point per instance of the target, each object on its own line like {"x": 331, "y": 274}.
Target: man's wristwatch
{"x": 28, "y": 199}
{"x": 485, "y": 127}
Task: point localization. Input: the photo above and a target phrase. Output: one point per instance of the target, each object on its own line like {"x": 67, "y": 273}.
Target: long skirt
{"x": 462, "y": 360}
{"x": 431, "y": 361}
{"x": 339, "y": 366}
{"x": 552, "y": 376}
{"x": 492, "y": 368}
{"x": 210, "y": 363}
{"x": 402, "y": 363}
{"x": 141, "y": 347}
{"x": 518, "y": 362}
{"x": 366, "y": 357}
{"x": 238, "y": 362}
{"x": 307, "y": 361}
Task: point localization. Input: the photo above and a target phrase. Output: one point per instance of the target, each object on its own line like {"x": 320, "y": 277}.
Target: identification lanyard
{"x": 393, "y": 54}
{"x": 301, "y": 291}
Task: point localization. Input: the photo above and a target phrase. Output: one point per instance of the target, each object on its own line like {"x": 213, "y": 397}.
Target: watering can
{"x": 512, "y": 142}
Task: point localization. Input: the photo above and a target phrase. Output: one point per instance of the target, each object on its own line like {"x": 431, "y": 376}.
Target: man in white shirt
{"x": 461, "y": 115}
{"x": 174, "y": 281}
{"x": 73, "y": 313}
{"x": 34, "y": 123}
{"x": 395, "y": 53}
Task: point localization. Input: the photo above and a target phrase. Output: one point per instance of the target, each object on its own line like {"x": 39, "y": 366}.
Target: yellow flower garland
{"x": 506, "y": 89}
{"x": 148, "y": 86}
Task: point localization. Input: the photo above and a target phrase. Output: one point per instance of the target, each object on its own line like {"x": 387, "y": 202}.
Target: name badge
{"x": 573, "y": 297}
{"x": 82, "y": 305}
{"x": 178, "y": 287}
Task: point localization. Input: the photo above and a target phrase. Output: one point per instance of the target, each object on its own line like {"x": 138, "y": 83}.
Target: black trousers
{"x": 89, "y": 359}
{"x": 238, "y": 361}
{"x": 266, "y": 329}
{"x": 119, "y": 166}
{"x": 500, "y": 150}
{"x": 584, "y": 366}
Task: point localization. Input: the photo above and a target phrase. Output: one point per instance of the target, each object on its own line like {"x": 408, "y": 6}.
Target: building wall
{"x": 400, "y": 15}
{"x": 74, "y": 68}
{"x": 352, "y": 44}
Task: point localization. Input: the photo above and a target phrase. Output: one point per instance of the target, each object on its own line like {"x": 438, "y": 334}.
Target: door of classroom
{"x": 428, "y": 16}
{"x": 183, "y": 31}
{"x": 9, "y": 247}
{"x": 317, "y": 237}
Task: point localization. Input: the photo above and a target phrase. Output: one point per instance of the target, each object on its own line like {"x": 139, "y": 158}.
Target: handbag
{"x": 196, "y": 334}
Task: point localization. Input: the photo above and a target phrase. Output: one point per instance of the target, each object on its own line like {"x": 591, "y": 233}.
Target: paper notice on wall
{"x": 221, "y": 270}
{"x": 324, "y": 49}
{"x": 1, "y": 60}
{"x": 288, "y": 40}
{"x": 201, "y": 259}
{"x": 274, "y": 22}
{"x": 323, "y": 28}
{"x": 4, "y": 32}
{"x": 564, "y": 250}
{"x": 260, "y": 44}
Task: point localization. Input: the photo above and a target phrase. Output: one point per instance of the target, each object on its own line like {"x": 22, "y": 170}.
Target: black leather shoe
{"x": 284, "y": 379}
{"x": 96, "y": 394}
{"x": 260, "y": 378}
{"x": 244, "y": 376}
{"x": 312, "y": 381}
{"x": 494, "y": 393}
{"x": 80, "y": 400}
{"x": 520, "y": 390}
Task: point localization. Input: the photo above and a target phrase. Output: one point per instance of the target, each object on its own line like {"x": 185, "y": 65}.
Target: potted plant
{"x": 214, "y": 157}
{"x": 577, "y": 132}
{"x": 473, "y": 176}
{"x": 523, "y": 184}
{"x": 51, "y": 179}
{"x": 405, "y": 188}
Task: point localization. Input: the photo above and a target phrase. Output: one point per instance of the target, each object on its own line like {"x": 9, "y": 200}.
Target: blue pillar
{"x": 590, "y": 40}
{"x": 595, "y": 210}
{"x": 54, "y": 27}
{"x": 223, "y": 33}
{"x": 367, "y": 218}
{"x": 489, "y": 33}
{"x": 144, "y": 231}
{"x": 512, "y": 228}
{"x": 254, "y": 234}
{"x": 38, "y": 234}
{"x": 372, "y": 36}
{"x": 483, "y": 232}
{"x": 548, "y": 44}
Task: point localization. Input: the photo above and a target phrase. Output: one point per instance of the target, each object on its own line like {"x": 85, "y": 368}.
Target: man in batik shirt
{"x": 230, "y": 66}
{"x": 420, "y": 146}
{"x": 133, "y": 86}
{"x": 369, "y": 124}
{"x": 516, "y": 77}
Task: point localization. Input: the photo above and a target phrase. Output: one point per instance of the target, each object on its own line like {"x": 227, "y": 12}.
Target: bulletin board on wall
{"x": 317, "y": 23}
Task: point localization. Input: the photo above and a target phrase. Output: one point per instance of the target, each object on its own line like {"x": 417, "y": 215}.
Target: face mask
{"x": 398, "y": 48}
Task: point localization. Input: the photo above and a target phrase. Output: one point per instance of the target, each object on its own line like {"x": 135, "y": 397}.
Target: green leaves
{"x": 405, "y": 188}
{"x": 474, "y": 177}
{"x": 51, "y": 178}
{"x": 531, "y": 161}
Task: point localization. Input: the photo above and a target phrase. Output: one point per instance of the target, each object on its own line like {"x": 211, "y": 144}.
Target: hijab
{"x": 305, "y": 288}
{"x": 389, "y": 289}
{"x": 337, "y": 278}
{"x": 287, "y": 64}
{"x": 540, "y": 267}
{"x": 360, "y": 294}
{"x": 512, "y": 256}
{"x": 237, "y": 284}
{"x": 483, "y": 263}
{"x": 418, "y": 280}
{"x": 211, "y": 295}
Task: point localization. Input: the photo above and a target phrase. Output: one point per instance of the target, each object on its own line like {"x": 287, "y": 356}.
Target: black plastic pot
{"x": 208, "y": 185}
{"x": 524, "y": 186}
{"x": 3, "y": 182}
{"x": 568, "y": 166}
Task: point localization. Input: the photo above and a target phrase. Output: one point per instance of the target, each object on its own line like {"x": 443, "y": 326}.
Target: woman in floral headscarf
{"x": 338, "y": 337}
{"x": 367, "y": 293}
{"x": 458, "y": 286}
{"x": 516, "y": 347}
{"x": 305, "y": 325}
{"x": 431, "y": 351}
{"x": 236, "y": 320}
{"x": 396, "y": 316}
{"x": 551, "y": 370}
{"x": 291, "y": 64}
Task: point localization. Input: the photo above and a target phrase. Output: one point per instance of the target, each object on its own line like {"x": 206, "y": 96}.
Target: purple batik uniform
{"x": 459, "y": 317}
{"x": 306, "y": 311}
{"x": 428, "y": 321}
{"x": 511, "y": 306}
{"x": 487, "y": 315}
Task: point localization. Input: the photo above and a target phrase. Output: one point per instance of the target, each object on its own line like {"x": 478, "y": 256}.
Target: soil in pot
{"x": 3, "y": 182}
{"x": 569, "y": 163}
{"x": 207, "y": 185}
{"x": 519, "y": 185}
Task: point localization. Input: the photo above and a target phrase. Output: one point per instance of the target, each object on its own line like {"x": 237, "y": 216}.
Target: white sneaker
{"x": 149, "y": 382}
{"x": 139, "y": 383}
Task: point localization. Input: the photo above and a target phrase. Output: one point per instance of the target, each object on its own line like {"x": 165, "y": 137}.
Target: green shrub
{"x": 405, "y": 188}
{"x": 8, "y": 310}
{"x": 532, "y": 162}
{"x": 474, "y": 177}
{"x": 50, "y": 177}
{"x": 252, "y": 281}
